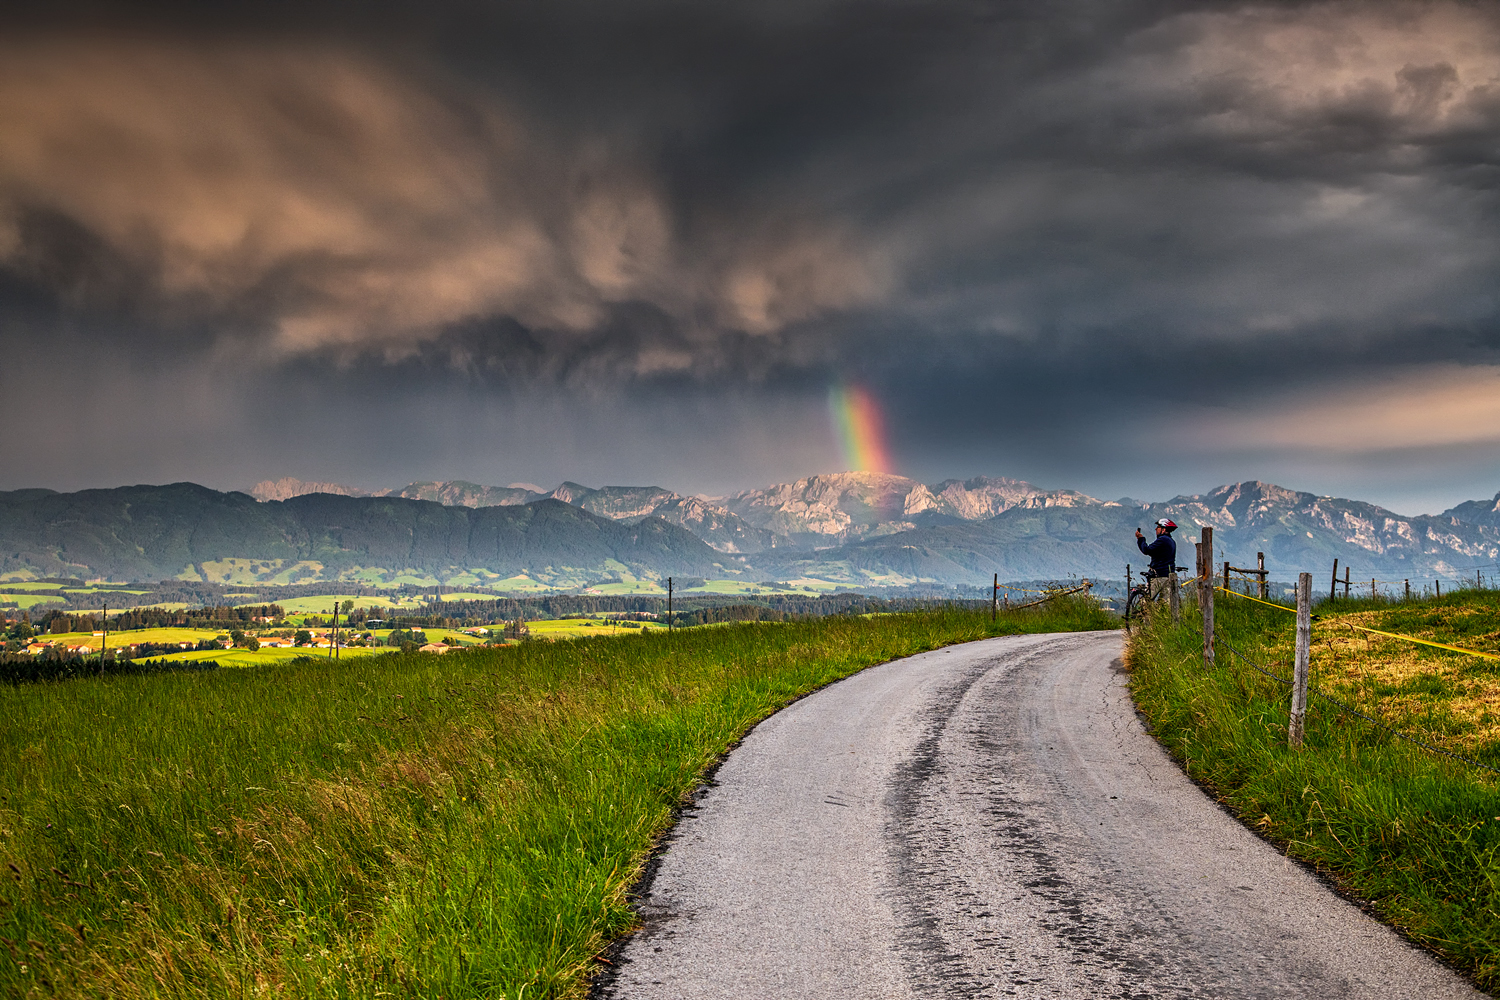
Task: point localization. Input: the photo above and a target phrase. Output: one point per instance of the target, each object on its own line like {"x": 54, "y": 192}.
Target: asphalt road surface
{"x": 986, "y": 820}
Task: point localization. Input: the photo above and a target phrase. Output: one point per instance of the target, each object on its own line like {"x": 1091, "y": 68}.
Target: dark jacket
{"x": 1163, "y": 553}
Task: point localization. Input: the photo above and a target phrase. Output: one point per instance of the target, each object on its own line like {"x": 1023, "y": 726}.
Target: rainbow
{"x": 860, "y": 429}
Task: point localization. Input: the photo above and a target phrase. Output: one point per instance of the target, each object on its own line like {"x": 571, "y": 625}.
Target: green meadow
{"x": 460, "y": 826}
{"x": 1414, "y": 832}
{"x": 28, "y": 601}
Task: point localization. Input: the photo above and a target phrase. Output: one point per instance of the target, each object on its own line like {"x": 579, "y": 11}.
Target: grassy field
{"x": 456, "y": 826}
{"x": 573, "y": 628}
{"x": 321, "y": 605}
{"x": 1414, "y": 832}
{"x": 28, "y": 601}
{"x": 267, "y": 657}
{"x": 118, "y": 639}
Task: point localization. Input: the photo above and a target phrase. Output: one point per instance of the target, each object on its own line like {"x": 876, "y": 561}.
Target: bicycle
{"x": 1140, "y": 594}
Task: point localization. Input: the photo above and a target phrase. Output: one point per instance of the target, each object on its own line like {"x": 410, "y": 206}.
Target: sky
{"x": 1129, "y": 247}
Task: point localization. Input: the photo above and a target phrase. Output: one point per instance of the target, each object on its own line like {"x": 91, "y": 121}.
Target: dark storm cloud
{"x": 1052, "y": 205}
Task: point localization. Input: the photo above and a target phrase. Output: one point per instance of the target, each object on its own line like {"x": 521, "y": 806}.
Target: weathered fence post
{"x": 1408, "y": 589}
{"x": 1346, "y": 583}
{"x": 1333, "y": 588}
{"x": 1260, "y": 568}
{"x": 995, "y": 599}
{"x": 1437, "y": 587}
{"x": 1373, "y": 594}
{"x": 1299, "y": 672}
{"x": 1174, "y": 597}
{"x": 669, "y": 605}
{"x": 1206, "y": 595}
{"x": 1226, "y": 574}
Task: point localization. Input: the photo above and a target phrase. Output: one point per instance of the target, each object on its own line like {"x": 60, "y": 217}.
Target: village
{"x": 263, "y": 639}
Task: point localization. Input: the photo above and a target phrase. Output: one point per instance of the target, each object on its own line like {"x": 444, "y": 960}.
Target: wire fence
{"x": 1341, "y": 706}
{"x": 1373, "y": 631}
{"x": 1025, "y": 590}
{"x": 1460, "y": 577}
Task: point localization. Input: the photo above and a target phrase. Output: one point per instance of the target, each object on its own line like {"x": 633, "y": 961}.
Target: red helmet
{"x": 1167, "y": 523}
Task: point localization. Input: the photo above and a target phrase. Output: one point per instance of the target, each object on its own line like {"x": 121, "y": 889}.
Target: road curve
{"x": 983, "y": 820}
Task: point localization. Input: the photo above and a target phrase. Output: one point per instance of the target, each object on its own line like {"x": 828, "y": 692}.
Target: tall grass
{"x": 465, "y": 825}
{"x": 1417, "y": 834}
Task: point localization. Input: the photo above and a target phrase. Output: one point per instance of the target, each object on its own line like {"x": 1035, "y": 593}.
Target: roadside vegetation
{"x": 1414, "y": 832}
{"x": 464, "y": 825}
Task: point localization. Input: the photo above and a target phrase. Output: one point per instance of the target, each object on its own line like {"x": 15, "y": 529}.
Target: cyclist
{"x": 1163, "y": 553}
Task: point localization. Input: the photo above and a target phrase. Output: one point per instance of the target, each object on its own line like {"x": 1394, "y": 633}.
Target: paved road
{"x": 988, "y": 820}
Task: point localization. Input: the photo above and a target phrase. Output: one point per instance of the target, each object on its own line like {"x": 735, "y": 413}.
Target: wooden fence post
{"x": 995, "y": 600}
{"x": 1437, "y": 587}
{"x": 1260, "y": 568}
{"x": 1372, "y": 588}
{"x": 1226, "y": 574}
{"x": 1408, "y": 590}
{"x": 1206, "y": 595}
{"x": 669, "y": 605}
{"x": 1346, "y": 583}
{"x": 1333, "y": 588}
{"x": 1299, "y": 673}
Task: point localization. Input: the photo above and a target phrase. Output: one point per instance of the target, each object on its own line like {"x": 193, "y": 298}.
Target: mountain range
{"x": 859, "y": 530}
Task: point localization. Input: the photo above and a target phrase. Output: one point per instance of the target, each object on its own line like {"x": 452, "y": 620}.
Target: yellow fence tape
{"x": 1374, "y": 631}
{"x": 1425, "y": 642}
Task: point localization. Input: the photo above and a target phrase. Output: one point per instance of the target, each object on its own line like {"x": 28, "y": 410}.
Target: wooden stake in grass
{"x": 1408, "y": 589}
{"x": 1206, "y": 594}
{"x": 1260, "y": 568}
{"x": 669, "y": 604}
{"x": 1333, "y": 586}
{"x": 1299, "y": 673}
{"x": 995, "y": 596}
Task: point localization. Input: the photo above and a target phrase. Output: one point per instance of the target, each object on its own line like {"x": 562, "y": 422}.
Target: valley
{"x": 864, "y": 532}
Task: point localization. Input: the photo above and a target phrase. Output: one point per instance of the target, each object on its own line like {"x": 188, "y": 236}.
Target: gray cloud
{"x": 312, "y": 197}
{"x": 599, "y": 211}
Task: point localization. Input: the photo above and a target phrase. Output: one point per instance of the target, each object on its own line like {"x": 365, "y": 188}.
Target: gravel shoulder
{"x": 989, "y": 819}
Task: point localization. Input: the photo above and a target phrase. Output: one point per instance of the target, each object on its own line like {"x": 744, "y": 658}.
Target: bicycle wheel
{"x": 1135, "y": 605}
